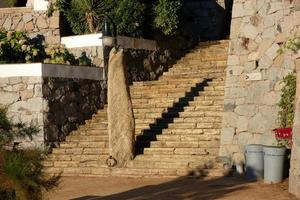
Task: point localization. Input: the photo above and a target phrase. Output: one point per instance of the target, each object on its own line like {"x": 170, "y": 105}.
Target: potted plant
{"x": 275, "y": 156}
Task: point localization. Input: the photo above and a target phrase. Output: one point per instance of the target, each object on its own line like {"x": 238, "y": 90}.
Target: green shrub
{"x": 166, "y": 14}
{"x": 58, "y": 54}
{"x": 10, "y": 3}
{"x": 287, "y": 101}
{"x": 292, "y": 44}
{"x": 16, "y": 47}
{"x": 21, "y": 171}
{"x": 9, "y": 131}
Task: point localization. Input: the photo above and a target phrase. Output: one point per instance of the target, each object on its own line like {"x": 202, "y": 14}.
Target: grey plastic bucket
{"x": 254, "y": 162}
{"x": 274, "y": 158}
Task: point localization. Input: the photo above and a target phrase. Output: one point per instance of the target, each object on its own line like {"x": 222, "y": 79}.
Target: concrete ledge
{"x": 16, "y": 10}
{"x": 92, "y": 40}
{"x": 50, "y": 70}
{"x": 77, "y": 41}
{"x": 136, "y": 43}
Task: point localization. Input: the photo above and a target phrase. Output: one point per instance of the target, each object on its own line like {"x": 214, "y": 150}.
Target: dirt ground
{"x": 112, "y": 188}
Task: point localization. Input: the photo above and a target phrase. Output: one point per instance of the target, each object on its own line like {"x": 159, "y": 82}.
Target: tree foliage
{"x": 166, "y": 14}
{"x": 128, "y": 16}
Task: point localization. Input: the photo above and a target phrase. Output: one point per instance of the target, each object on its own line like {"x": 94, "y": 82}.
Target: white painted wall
{"x": 50, "y": 70}
{"x": 78, "y": 41}
{"x": 40, "y": 5}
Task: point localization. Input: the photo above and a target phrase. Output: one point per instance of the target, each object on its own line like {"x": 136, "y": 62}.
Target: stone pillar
{"x": 120, "y": 113}
{"x": 294, "y": 185}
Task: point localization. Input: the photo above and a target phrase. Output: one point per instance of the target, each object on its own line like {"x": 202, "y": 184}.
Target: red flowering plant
{"x": 284, "y": 137}
{"x": 286, "y": 111}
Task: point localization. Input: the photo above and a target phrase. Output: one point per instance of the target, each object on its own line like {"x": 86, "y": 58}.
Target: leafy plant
{"x": 21, "y": 172}
{"x": 287, "y": 101}
{"x": 292, "y": 44}
{"x": 16, "y": 47}
{"x": 167, "y": 15}
{"x": 58, "y": 54}
{"x": 85, "y": 16}
{"x": 9, "y": 131}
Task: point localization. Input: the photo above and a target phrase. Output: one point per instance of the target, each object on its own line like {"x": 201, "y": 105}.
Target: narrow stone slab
{"x": 120, "y": 113}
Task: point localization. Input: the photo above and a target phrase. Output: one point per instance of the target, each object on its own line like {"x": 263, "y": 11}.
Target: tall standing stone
{"x": 120, "y": 113}
{"x": 294, "y": 179}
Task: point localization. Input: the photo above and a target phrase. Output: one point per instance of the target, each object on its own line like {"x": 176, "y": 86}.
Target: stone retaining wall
{"x": 36, "y": 23}
{"x": 255, "y": 71}
{"x": 56, "y": 105}
{"x": 23, "y": 98}
{"x": 70, "y": 103}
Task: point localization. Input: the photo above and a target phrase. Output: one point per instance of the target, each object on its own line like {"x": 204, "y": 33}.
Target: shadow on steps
{"x": 148, "y": 135}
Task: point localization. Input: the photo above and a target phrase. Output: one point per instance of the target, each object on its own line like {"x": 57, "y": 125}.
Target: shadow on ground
{"x": 181, "y": 188}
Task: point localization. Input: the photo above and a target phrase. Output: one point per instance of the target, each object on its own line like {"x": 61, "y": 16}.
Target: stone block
{"x": 272, "y": 51}
{"x": 227, "y": 135}
{"x": 8, "y": 98}
{"x": 250, "y": 31}
{"x": 245, "y": 138}
{"x": 242, "y": 124}
{"x": 246, "y": 110}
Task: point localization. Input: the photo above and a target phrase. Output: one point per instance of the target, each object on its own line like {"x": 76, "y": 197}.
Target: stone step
{"x": 163, "y": 102}
{"x": 168, "y": 82}
{"x": 87, "y": 138}
{"x": 141, "y": 93}
{"x": 183, "y": 66}
{"x": 170, "y": 158}
{"x": 184, "y": 144}
{"x": 199, "y": 131}
{"x": 181, "y": 151}
{"x": 207, "y": 103}
{"x": 90, "y": 132}
{"x": 187, "y": 137}
{"x": 207, "y": 75}
{"x": 96, "y": 126}
{"x": 188, "y": 120}
{"x": 84, "y": 144}
{"x": 158, "y": 87}
{"x": 160, "y": 90}
{"x": 79, "y": 171}
{"x": 174, "y": 164}
{"x": 194, "y": 71}
{"x": 78, "y": 151}
{"x": 164, "y": 173}
{"x": 133, "y": 172}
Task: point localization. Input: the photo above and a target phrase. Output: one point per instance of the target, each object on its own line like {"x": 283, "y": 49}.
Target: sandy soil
{"x": 227, "y": 188}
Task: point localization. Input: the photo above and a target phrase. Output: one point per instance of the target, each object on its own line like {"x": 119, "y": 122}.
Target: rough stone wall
{"x": 70, "y": 103}
{"x": 294, "y": 186}
{"x": 204, "y": 18}
{"x": 257, "y": 29}
{"x": 23, "y": 98}
{"x": 144, "y": 65}
{"x": 95, "y": 54}
{"x": 54, "y": 105}
{"x": 33, "y": 22}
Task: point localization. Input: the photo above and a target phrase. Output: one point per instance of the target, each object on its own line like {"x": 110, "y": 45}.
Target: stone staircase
{"x": 178, "y": 121}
